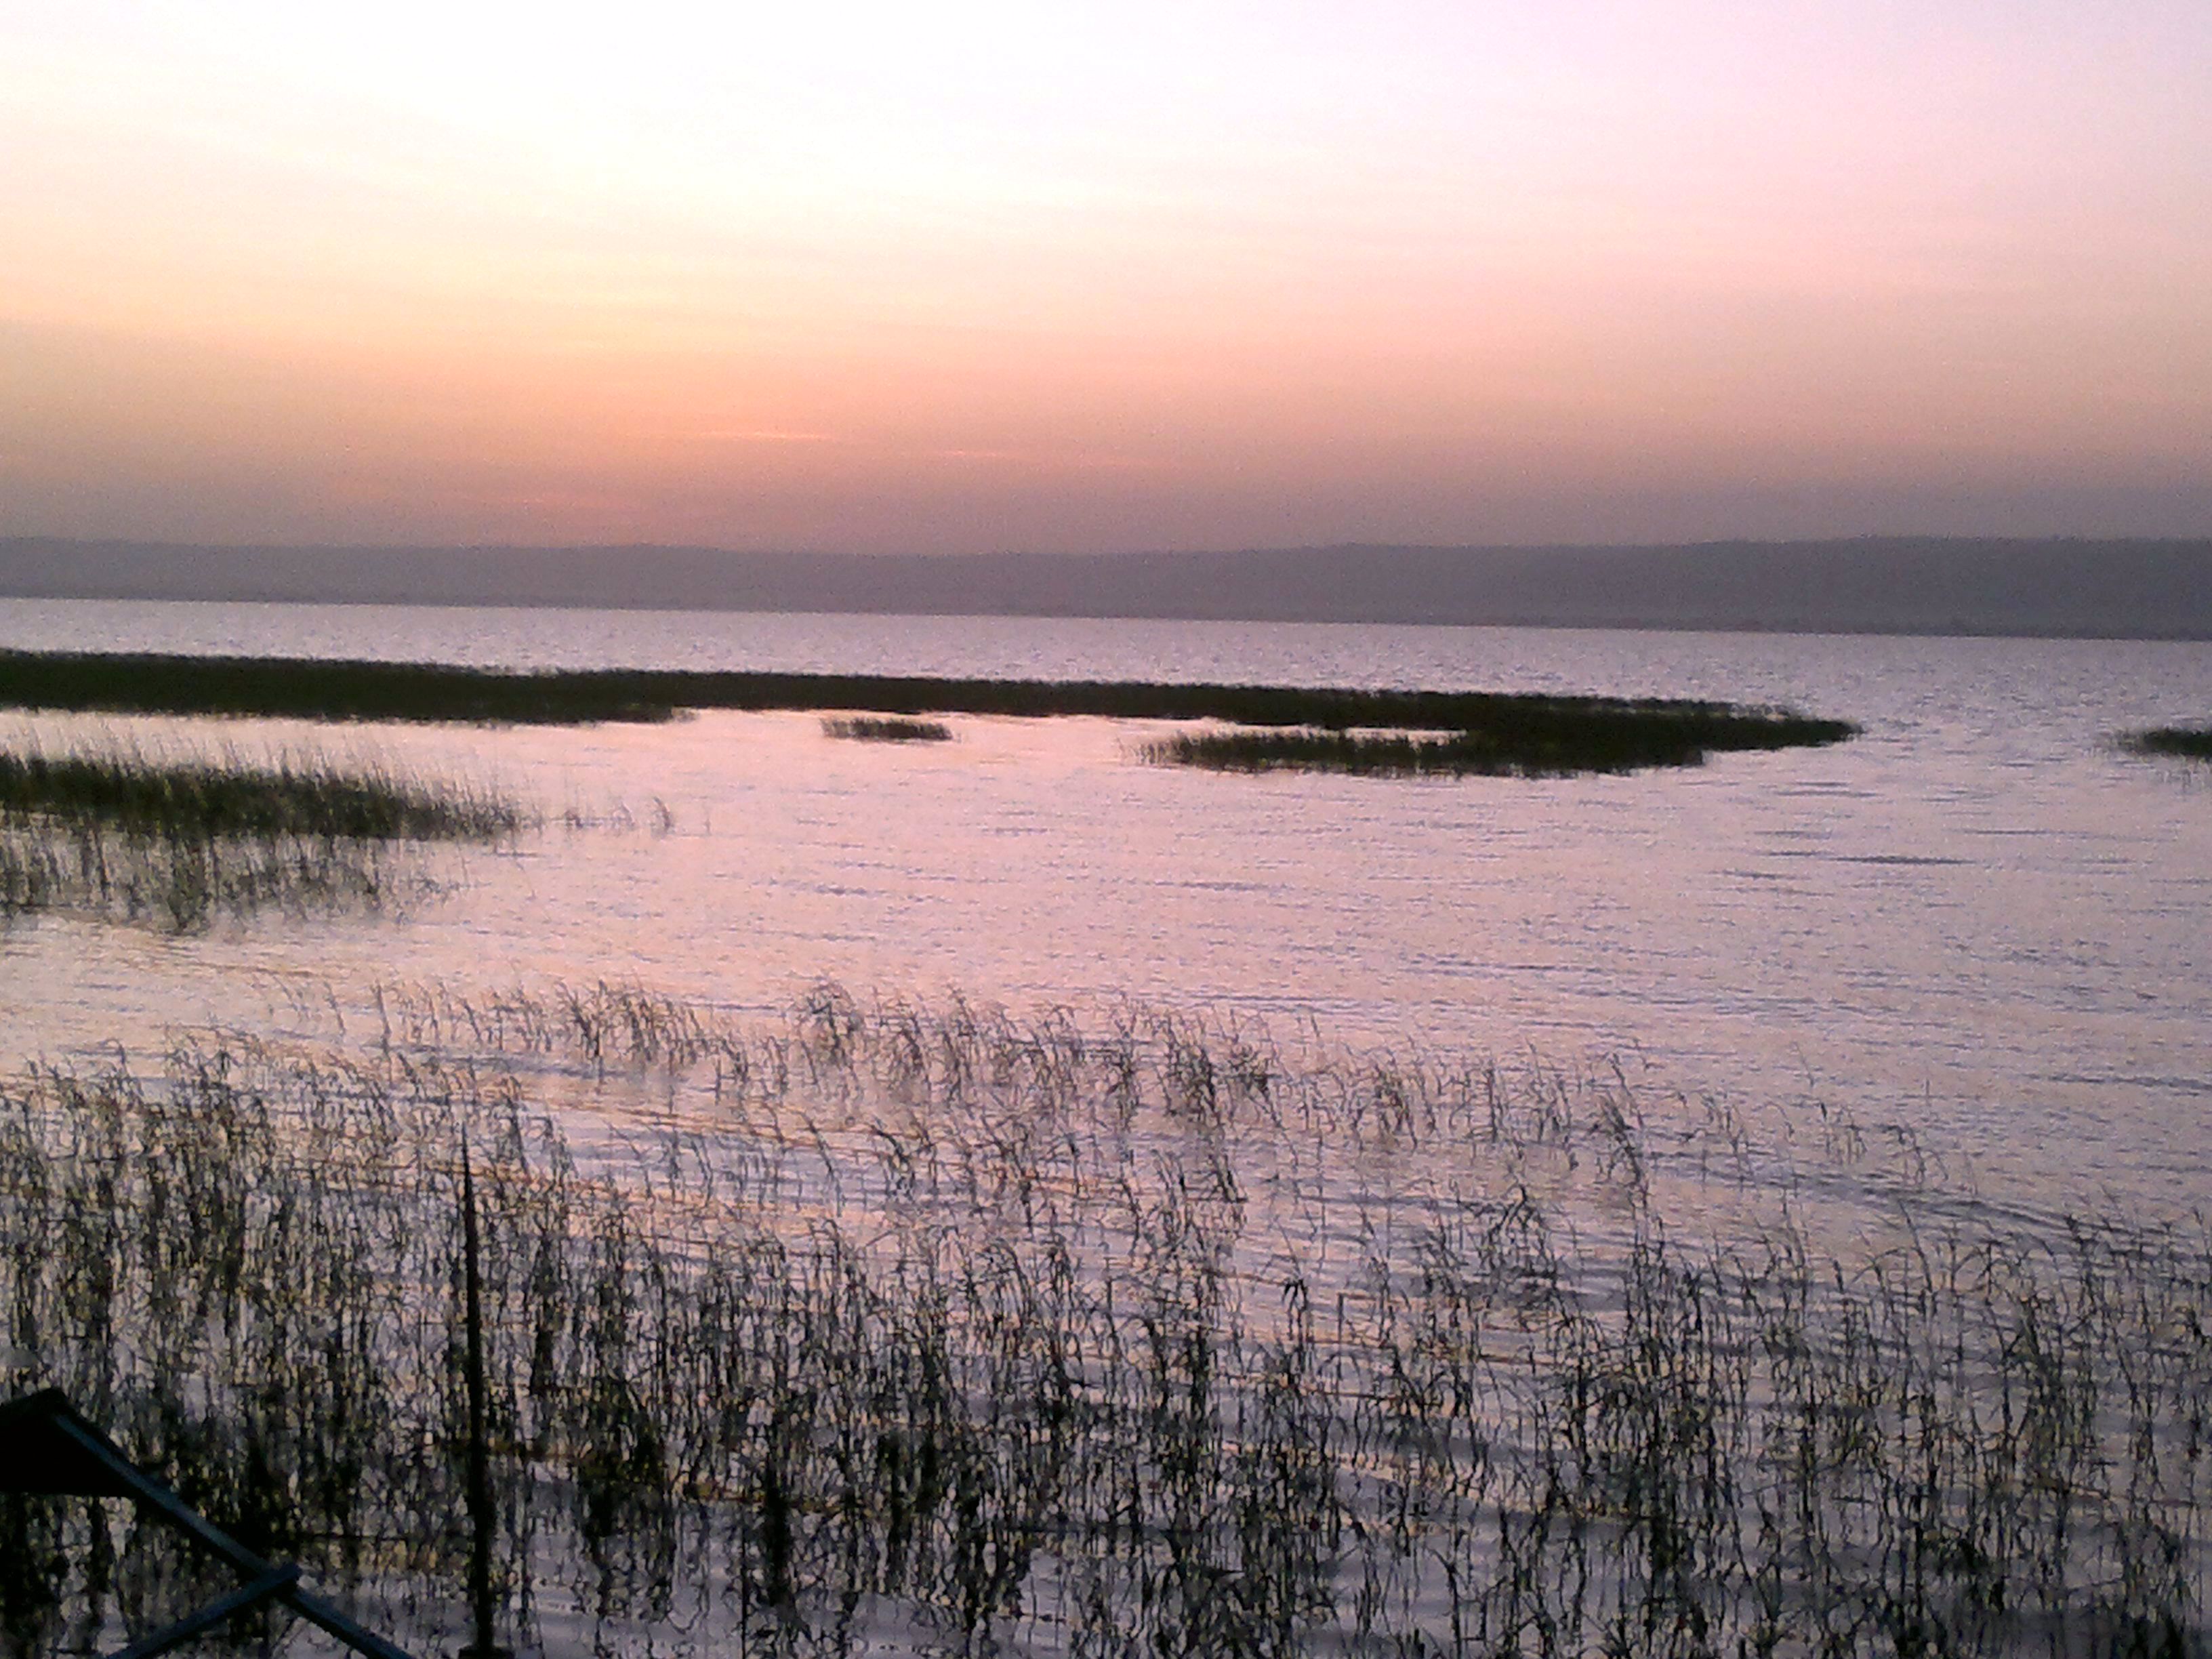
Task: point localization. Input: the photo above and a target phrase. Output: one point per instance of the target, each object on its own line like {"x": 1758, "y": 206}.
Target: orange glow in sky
{"x": 884, "y": 276}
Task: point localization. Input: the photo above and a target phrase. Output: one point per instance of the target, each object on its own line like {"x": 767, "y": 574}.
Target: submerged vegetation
{"x": 879, "y": 729}
{"x": 945, "y": 1331}
{"x": 2182, "y": 742}
{"x": 1520, "y": 731}
{"x": 179, "y": 841}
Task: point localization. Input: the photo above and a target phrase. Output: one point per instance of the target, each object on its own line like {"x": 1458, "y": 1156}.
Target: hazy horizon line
{"x": 2055, "y": 539}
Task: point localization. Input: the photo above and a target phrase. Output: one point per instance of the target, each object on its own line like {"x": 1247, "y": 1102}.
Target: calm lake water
{"x": 1980, "y": 920}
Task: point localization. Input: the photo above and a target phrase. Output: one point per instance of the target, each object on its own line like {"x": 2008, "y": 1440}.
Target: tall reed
{"x": 934, "y": 1327}
{"x": 178, "y": 842}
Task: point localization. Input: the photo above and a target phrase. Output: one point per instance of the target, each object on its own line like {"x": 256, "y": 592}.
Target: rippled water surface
{"x": 1979, "y": 920}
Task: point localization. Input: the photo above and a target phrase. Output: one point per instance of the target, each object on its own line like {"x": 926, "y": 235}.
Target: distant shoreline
{"x": 2047, "y": 588}
{"x": 1807, "y": 630}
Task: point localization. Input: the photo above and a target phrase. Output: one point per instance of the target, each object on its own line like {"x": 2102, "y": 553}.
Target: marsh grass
{"x": 880, "y": 729}
{"x": 148, "y": 684}
{"x": 1548, "y": 742}
{"x": 1552, "y": 730}
{"x": 139, "y": 793}
{"x": 179, "y": 841}
{"x": 934, "y": 1328}
{"x": 2180, "y": 742}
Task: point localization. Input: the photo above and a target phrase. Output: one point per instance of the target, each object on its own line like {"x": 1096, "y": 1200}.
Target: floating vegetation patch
{"x": 177, "y": 843}
{"x": 877, "y": 728}
{"x": 2180, "y": 742}
{"x": 1549, "y": 731}
{"x": 934, "y": 1330}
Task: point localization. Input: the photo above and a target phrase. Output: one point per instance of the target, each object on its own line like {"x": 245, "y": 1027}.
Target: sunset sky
{"x": 1160, "y": 275}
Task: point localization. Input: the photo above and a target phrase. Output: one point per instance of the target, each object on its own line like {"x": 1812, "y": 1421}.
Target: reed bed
{"x": 180, "y": 842}
{"x": 232, "y": 797}
{"x": 1553, "y": 729}
{"x": 931, "y": 1330}
{"x": 866, "y": 728}
{"x": 306, "y": 688}
{"x": 1593, "y": 744}
{"x": 2180, "y": 742}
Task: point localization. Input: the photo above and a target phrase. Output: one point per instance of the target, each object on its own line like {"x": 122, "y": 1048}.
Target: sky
{"x": 982, "y": 275}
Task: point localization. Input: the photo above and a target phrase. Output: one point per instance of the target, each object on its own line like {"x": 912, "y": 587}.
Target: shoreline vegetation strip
{"x": 1519, "y": 731}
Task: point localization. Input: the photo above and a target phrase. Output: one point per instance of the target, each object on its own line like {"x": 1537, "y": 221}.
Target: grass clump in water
{"x": 1525, "y": 738}
{"x": 136, "y": 793}
{"x": 178, "y": 841}
{"x": 2178, "y": 742}
{"x": 878, "y": 728}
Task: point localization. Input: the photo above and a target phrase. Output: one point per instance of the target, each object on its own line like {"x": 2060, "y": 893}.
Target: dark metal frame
{"x": 46, "y": 1449}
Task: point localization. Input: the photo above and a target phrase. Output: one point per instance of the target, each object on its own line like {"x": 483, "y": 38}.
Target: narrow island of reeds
{"x": 877, "y": 728}
{"x": 1493, "y": 731}
{"x": 1559, "y": 739}
{"x": 2175, "y": 742}
{"x": 178, "y": 841}
{"x": 937, "y": 1330}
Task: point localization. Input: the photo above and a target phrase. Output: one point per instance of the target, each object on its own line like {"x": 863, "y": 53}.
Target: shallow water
{"x": 1979, "y": 920}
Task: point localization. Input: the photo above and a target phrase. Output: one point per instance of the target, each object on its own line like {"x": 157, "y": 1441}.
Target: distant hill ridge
{"x": 2143, "y": 589}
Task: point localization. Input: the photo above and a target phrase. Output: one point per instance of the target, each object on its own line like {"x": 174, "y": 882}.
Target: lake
{"x": 1979, "y": 919}
{"x": 1280, "y": 1213}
